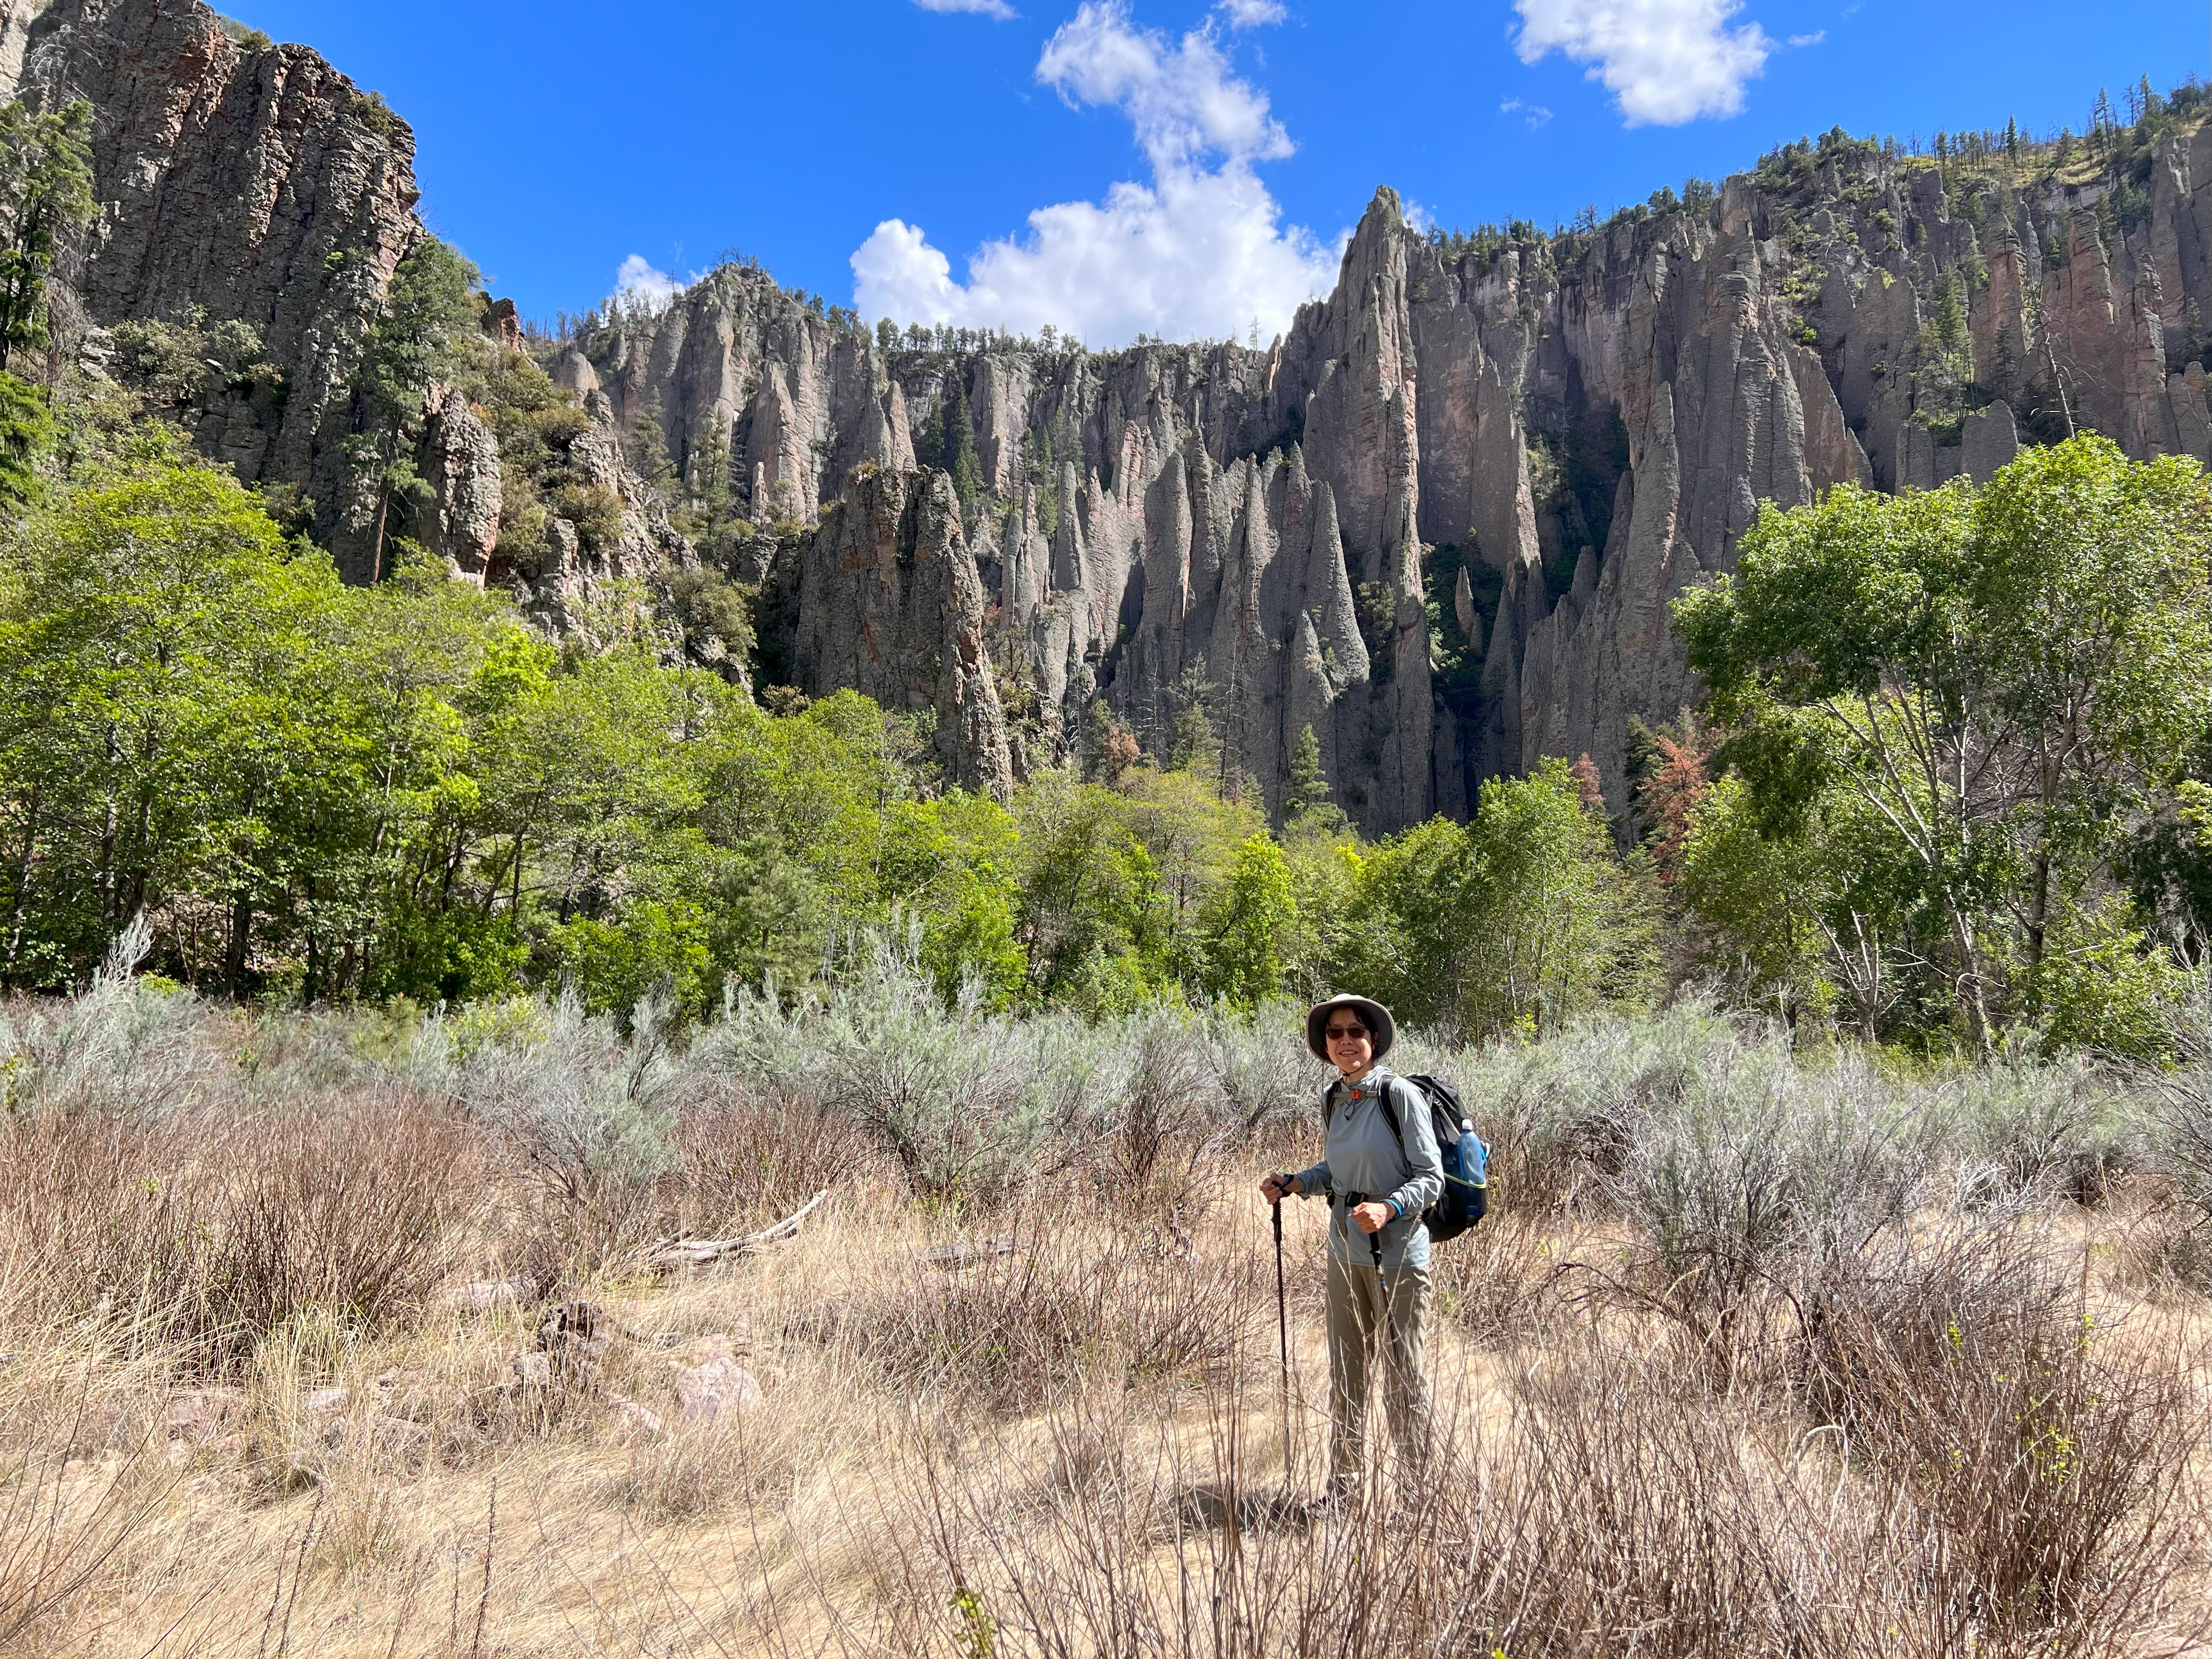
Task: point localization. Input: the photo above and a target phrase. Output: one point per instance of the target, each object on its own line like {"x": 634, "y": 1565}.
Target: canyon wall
{"x": 243, "y": 181}
{"x": 1439, "y": 522}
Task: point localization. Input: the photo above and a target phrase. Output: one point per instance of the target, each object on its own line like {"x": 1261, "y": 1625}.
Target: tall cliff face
{"x": 890, "y": 604}
{"x": 239, "y": 181}
{"x": 1441, "y": 521}
{"x": 251, "y": 182}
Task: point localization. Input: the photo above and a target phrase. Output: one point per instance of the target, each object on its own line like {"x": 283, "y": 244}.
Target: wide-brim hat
{"x": 1372, "y": 1014}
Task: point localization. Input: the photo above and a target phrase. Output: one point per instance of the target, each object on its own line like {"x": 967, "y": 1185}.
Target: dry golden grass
{"x": 1078, "y": 1448}
{"x": 1052, "y": 1423}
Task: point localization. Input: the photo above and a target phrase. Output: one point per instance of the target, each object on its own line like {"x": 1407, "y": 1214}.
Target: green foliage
{"x": 430, "y": 314}
{"x": 185, "y": 366}
{"x": 2105, "y": 985}
{"x": 1249, "y": 922}
{"x": 1093, "y": 914}
{"x": 2002, "y": 685}
{"x": 1509, "y": 926}
{"x": 167, "y": 718}
{"x": 26, "y": 433}
{"x": 594, "y": 509}
{"x": 253, "y": 39}
{"x": 374, "y": 114}
{"x": 954, "y": 865}
{"x": 716, "y": 614}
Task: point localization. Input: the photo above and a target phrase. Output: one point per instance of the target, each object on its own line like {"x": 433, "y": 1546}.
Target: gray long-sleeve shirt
{"x": 1360, "y": 1154}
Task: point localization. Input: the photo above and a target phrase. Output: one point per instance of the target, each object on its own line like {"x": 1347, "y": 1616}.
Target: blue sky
{"x": 1193, "y": 169}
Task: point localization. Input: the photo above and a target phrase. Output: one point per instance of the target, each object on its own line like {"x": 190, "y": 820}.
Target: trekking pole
{"x": 1283, "y": 1315}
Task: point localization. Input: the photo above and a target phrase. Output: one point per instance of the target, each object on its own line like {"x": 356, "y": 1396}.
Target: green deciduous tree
{"x": 1250, "y": 923}
{"x": 2004, "y": 682}
{"x": 166, "y": 739}
{"x": 1093, "y": 917}
{"x": 1507, "y": 926}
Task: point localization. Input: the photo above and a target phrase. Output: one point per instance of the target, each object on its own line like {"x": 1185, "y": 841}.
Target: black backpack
{"x": 1466, "y": 1197}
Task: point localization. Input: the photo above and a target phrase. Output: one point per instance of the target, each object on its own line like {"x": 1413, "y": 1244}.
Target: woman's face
{"x": 1351, "y": 1046}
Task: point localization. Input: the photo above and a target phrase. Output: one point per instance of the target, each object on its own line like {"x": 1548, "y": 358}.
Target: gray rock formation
{"x": 1594, "y": 419}
{"x": 890, "y": 604}
{"x": 460, "y": 465}
{"x": 252, "y": 181}
{"x": 1538, "y": 441}
{"x": 239, "y": 181}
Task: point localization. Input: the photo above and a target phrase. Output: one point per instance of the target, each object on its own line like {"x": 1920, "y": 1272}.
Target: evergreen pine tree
{"x": 46, "y": 192}
{"x": 956, "y": 441}
{"x": 1950, "y": 318}
{"x": 1306, "y": 804}
{"x": 648, "y": 445}
{"x": 1195, "y": 745}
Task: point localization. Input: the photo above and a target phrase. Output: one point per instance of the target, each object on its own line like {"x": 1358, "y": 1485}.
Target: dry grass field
{"x": 345, "y": 1337}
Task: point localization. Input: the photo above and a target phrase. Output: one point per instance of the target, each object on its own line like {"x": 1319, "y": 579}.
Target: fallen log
{"x": 674, "y": 1253}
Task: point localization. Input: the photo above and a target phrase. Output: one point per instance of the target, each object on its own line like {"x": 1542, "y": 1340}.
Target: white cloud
{"x": 1198, "y": 253}
{"x": 998, "y": 9}
{"x": 1251, "y": 13}
{"x": 1812, "y": 40}
{"x": 1182, "y": 100}
{"x": 1666, "y": 61}
{"x": 1535, "y": 114}
{"x": 638, "y": 283}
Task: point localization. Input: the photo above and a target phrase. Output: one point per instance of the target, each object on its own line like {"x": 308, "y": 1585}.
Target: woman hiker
{"x": 1376, "y": 1183}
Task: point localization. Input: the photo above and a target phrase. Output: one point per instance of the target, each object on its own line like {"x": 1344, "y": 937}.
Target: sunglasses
{"x": 1340, "y": 1033}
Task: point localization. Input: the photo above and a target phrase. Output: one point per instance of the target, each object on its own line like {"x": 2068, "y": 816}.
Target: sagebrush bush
{"x": 1968, "y": 1372}
{"x": 125, "y": 1047}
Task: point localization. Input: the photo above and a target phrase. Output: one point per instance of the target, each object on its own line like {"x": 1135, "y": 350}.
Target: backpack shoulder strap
{"x": 1391, "y": 1114}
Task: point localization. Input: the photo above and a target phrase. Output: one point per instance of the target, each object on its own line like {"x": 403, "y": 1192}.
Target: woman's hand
{"x": 1276, "y": 1187}
{"x": 1373, "y": 1217}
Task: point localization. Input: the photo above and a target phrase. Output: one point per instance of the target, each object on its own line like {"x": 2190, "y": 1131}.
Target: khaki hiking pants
{"x": 1359, "y": 1324}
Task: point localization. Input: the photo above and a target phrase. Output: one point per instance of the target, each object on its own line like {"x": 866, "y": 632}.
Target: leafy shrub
{"x": 595, "y": 510}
